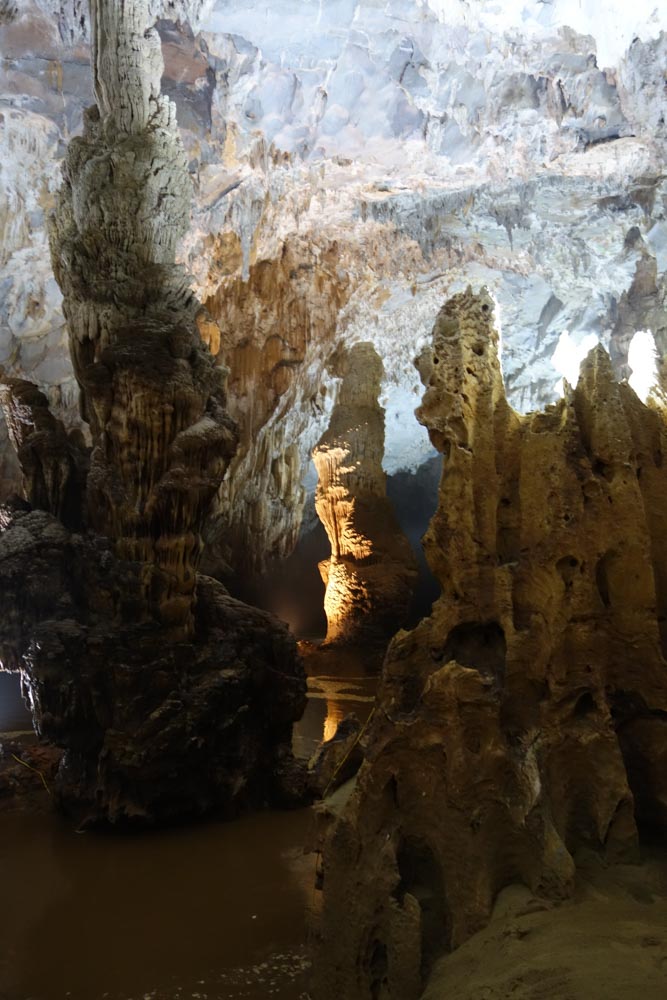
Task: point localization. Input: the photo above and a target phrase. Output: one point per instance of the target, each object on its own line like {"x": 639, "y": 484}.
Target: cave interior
{"x": 333, "y": 503}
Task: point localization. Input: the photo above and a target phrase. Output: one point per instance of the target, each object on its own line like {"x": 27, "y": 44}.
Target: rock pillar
{"x": 168, "y": 697}
{"x": 372, "y": 570}
{"x": 526, "y": 718}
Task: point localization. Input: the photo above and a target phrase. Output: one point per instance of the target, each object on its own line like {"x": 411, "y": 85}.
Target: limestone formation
{"x": 169, "y": 697}
{"x": 372, "y": 570}
{"x": 8, "y": 10}
{"x": 279, "y": 329}
{"x": 54, "y": 464}
{"x": 526, "y": 718}
{"x": 352, "y": 165}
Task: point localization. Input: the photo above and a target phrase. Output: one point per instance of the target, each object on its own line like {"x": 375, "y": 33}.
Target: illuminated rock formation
{"x": 169, "y": 697}
{"x": 279, "y": 329}
{"x": 353, "y": 164}
{"x": 372, "y": 570}
{"x": 526, "y": 717}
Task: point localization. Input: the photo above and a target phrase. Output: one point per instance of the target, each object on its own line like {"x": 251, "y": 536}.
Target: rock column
{"x": 526, "y": 718}
{"x": 372, "y": 570}
{"x": 150, "y": 390}
{"x": 169, "y": 698}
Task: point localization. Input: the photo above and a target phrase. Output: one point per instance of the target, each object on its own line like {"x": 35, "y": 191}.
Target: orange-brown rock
{"x": 372, "y": 570}
{"x": 526, "y": 718}
{"x": 279, "y": 327}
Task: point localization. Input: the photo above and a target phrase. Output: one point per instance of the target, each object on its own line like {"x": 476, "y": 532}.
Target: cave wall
{"x": 341, "y": 190}
{"x": 525, "y": 718}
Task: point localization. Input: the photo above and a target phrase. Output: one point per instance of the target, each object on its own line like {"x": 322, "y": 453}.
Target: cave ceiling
{"x": 354, "y": 163}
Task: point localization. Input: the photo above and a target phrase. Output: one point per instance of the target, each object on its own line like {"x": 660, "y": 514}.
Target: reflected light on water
{"x": 336, "y": 712}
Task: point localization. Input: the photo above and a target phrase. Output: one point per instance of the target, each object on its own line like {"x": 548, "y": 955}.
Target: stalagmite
{"x": 525, "y": 718}
{"x": 372, "y": 570}
{"x": 169, "y": 697}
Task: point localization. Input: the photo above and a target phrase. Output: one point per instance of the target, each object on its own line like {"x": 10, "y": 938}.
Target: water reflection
{"x": 211, "y": 912}
{"x": 337, "y": 685}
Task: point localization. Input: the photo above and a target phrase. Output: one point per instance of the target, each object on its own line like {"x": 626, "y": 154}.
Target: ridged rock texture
{"x": 353, "y": 164}
{"x": 527, "y": 717}
{"x": 372, "y": 570}
{"x": 169, "y": 697}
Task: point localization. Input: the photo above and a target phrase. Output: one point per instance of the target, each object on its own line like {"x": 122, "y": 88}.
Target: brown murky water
{"x": 212, "y": 912}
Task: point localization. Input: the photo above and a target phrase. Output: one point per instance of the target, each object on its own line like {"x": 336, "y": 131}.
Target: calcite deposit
{"x": 525, "y": 718}
{"x": 372, "y": 570}
{"x": 352, "y": 164}
{"x": 169, "y": 697}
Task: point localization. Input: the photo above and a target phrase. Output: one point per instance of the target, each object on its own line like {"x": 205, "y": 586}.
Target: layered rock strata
{"x": 372, "y": 570}
{"x": 526, "y": 718}
{"x": 169, "y": 697}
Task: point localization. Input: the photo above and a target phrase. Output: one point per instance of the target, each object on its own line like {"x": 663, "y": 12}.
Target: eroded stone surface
{"x": 410, "y": 148}
{"x": 372, "y": 570}
{"x": 148, "y": 675}
{"x": 526, "y": 717}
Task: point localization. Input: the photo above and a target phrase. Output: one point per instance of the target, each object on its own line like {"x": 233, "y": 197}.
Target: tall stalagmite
{"x": 527, "y": 716}
{"x": 372, "y": 570}
{"x": 169, "y": 697}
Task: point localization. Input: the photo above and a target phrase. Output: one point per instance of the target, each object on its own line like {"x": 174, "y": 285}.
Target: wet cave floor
{"x": 217, "y": 911}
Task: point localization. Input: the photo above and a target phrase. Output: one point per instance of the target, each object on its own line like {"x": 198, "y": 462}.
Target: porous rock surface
{"x": 525, "y": 718}
{"x": 372, "y": 570}
{"x": 169, "y": 698}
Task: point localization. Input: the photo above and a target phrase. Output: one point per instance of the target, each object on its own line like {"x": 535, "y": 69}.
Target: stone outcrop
{"x": 372, "y": 570}
{"x": 526, "y": 718}
{"x": 169, "y": 697}
{"x": 154, "y": 730}
{"x": 54, "y": 463}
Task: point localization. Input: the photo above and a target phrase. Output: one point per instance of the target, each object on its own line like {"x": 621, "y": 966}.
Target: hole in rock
{"x": 567, "y": 567}
{"x": 421, "y": 877}
{"x": 585, "y": 705}
{"x": 508, "y": 530}
{"x": 603, "y": 469}
{"x": 480, "y": 645}
{"x": 602, "y": 570}
{"x": 378, "y": 968}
